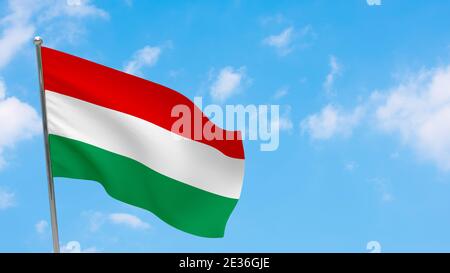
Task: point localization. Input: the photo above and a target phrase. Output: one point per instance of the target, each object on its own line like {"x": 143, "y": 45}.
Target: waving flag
{"x": 114, "y": 128}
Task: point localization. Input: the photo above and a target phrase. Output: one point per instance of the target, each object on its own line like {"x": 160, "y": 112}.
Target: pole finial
{"x": 38, "y": 40}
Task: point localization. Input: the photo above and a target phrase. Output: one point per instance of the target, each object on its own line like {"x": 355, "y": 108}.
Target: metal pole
{"x": 51, "y": 188}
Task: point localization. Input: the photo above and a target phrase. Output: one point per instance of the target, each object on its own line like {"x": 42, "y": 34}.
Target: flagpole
{"x": 51, "y": 188}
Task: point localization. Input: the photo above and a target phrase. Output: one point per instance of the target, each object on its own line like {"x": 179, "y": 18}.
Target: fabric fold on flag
{"x": 114, "y": 128}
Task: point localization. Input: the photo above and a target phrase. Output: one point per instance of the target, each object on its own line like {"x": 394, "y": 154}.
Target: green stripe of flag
{"x": 185, "y": 207}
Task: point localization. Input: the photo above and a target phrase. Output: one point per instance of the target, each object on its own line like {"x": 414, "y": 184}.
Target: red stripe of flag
{"x": 88, "y": 81}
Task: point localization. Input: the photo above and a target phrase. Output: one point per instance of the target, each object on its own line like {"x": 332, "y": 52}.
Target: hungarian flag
{"x": 114, "y": 128}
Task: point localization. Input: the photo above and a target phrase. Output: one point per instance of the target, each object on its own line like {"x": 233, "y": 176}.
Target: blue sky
{"x": 364, "y": 95}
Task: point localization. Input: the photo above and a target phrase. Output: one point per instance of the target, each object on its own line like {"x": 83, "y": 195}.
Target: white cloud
{"x": 175, "y": 73}
{"x": 350, "y": 166}
{"x": 282, "y": 41}
{"x": 75, "y": 247}
{"x": 18, "y": 121}
{"x": 62, "y": 21}
{"x": 394, "y": 155}
{"x": 284, "y": 122}
{"x": 2, "y": 90}
{"x": 128, "y": 220}
{"x": 7, "y": 199}
{"x": 335, "y": 70}
{"x": 289, "y": 39}
{"x": 331, "y": 121}
{"x": 24, "y": 17}
{"x": 128, "y": 2}
{"x": 283, "y": 91}
{"x": 16, "y": 30}
{"x": 11, "y": 41}
{"x": 74, "y": 2}
{"x": 95, "y": 218}
{"x": 273, "y": 19}
{"x": 418, "y": 111}
{"x": 72, "y": 8}
{"x": 144, "y": 57}
{"x": 382, "y": 187}
{"x": 41, "y": 226}
{"x": 227, "y": 83}
{"x": 373, "y": 2}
